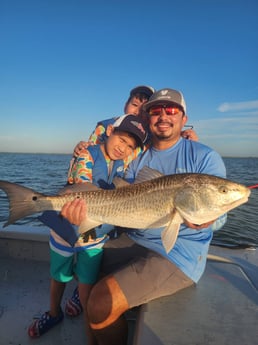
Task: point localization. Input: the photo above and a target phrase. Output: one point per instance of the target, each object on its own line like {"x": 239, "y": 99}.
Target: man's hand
{"x": 198, "y": 227}
{"x": 190, "y": 134}
{"x": 75, "y": 211}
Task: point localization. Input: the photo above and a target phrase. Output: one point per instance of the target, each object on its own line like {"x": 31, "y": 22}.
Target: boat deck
{"x": 221, "y": 309}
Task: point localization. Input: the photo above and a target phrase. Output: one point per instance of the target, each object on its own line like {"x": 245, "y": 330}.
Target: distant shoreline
{"x": 65, "y": 154}
{"x": 37, "y": 153}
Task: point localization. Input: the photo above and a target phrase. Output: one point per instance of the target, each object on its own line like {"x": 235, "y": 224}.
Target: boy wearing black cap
{"x": 98, "y": 164}
{"x": 123, "y": 137}
{"x": 137, "y": 97}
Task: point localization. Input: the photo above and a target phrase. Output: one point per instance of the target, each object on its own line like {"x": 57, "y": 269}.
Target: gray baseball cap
{"x": 166, "y": 96}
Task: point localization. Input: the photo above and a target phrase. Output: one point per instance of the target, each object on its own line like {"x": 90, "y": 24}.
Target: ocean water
{"x": 46, "y": 173}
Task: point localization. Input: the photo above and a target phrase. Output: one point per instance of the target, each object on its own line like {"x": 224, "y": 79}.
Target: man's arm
{"x": 95, "y": 138}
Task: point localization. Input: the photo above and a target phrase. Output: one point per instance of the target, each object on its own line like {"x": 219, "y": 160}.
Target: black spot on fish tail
{"x": 23, "y": 201}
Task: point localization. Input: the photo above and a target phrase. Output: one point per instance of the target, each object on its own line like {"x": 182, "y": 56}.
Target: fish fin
{"x": 119, "y": 182}
{"x": 78, "y": 187}
{"x": 160, "y": 222}
{"x": 23, "y": 201}
{"x": 146, "y": 174}
{"x": 170, "y": 233}
{"x": 88, "y": 225}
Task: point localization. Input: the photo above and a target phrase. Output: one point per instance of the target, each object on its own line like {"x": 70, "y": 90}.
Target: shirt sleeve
{"x": 218, "y": 224}
{"x": 81, "y": 171}
{"x": 97, "y": 136}
{"x": 210, "y": 163}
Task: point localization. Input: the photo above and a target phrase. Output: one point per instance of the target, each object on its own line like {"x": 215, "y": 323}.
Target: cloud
{"x": 222, "y": 122}
{"x": 230, "y": 136}
{"x": 224, "y": 107}
{"x": 227, "y": 127}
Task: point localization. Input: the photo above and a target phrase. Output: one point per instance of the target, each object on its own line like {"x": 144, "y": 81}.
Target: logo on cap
{"x": 164, "y": 92}
{"x": 139, "y": 126}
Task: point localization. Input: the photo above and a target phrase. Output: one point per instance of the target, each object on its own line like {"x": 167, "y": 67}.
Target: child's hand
{"x": 75, "y": 211}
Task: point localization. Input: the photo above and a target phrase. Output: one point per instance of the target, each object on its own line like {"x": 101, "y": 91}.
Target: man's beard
{"x": 163, "y": 136}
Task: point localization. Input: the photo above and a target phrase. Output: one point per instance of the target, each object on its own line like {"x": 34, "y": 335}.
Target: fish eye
{"x": 34, "y": 198}
{"x": 223, "y": 189}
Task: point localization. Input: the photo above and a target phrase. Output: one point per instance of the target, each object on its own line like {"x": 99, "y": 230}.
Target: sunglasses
{"x": 169, "y": 109}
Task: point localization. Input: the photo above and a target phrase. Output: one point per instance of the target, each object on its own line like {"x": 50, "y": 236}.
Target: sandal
{"x": 73, "y": 305}
{"x": 43, "y": 324}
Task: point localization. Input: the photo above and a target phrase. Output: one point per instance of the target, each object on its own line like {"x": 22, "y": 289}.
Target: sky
{"x": 64, "y": 65}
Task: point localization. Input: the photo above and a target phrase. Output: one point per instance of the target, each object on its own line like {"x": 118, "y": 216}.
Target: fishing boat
{"x": 221, "y": 309}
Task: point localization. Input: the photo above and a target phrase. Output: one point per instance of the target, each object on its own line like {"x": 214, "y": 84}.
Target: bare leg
{"x": 106, "y": 306}
{"x": 56, "y": 295}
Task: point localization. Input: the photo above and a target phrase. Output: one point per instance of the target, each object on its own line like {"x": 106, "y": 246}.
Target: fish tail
{"x": 22, "y": 201}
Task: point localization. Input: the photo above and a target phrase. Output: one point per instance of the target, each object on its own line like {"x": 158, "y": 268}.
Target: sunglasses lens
{"x": 172, "y": 110}
{"x": 154, "y": 111}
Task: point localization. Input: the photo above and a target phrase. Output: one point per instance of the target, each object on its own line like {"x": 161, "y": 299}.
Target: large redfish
{"x": 163, "y": 201}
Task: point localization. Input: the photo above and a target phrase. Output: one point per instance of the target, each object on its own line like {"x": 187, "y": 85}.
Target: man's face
{"x": 166, "y": 121}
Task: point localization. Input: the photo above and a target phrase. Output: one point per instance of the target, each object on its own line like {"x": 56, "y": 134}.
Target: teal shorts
{"x": 85, "y": 264}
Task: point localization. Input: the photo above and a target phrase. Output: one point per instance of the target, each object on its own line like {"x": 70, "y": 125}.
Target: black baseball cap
{"x": 133, "y": 125}
{"x": 146, "y": 90}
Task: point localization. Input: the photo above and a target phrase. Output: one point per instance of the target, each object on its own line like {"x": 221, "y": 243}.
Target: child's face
{"x": 120, "y": 145}
{"x": 134, "y": 105}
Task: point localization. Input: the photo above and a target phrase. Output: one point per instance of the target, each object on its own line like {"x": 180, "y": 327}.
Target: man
{"x": 136, "y": 265}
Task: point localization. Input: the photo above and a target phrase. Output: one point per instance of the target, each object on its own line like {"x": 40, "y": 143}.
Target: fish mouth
{"x": 238, "y": 202}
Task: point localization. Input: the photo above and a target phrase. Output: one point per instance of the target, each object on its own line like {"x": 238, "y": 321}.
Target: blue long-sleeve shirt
{"x": 190, "y": 250}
